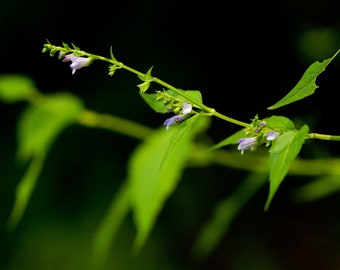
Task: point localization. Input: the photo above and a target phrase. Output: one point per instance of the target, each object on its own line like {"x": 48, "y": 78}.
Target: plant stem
{"x": 114, "y": 123}
{"x": 88, "y": 117}
{"x": 208, "y": 110}
{"x": 323, "y": 137}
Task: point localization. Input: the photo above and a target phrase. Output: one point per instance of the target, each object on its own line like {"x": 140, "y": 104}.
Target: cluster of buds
{"x": 259, "y": 134}
{"x": 67, "y": 54}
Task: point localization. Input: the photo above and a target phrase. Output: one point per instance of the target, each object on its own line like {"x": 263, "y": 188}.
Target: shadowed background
{"x": 243, "y": 57}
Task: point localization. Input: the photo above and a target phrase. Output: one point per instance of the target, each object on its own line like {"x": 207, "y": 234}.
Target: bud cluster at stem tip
{"x": 258, "y": 134}
{"x": 66, "y": 54}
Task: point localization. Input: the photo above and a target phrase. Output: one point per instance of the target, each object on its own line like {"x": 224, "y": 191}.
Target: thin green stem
{"x": 323, "y": 137}
{"x": 259, "y": 163}
{"x": 231, "y": 120}
{"x": 120, "y": 65}
{"x": 208, "y": 110}
{"x": 225, "y": 158}
{"x": 200, "y": 155}
{"x": 114, "y": 123}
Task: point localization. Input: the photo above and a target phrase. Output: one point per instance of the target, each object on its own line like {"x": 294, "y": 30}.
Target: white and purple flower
{"x": 173, "y": 120}
{"x": 78, "y": 62}
{"x": 271, "y": 135}
{"x": 247, "y": 143}
{"x": 186, "y": 109}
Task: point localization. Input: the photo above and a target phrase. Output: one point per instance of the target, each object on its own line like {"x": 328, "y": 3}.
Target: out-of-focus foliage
{"x": 254, "y": 59}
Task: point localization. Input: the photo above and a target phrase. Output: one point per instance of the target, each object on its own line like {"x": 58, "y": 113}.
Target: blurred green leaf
{"x": 15, "y": 87}
{"x": 38, "y": 128}
{"x": 318, "y": 189}
{"x": 40, "y": 125}
{"x": 306, "y": 86}
{"x": 318, "y": 41}
{"x": 109, "y": 227}
{"x": 24, "y": 190}
{"x": 155, "y": 169}
{"x": 232, "y": 139}
{"x": 225, "y": 212}
{"x": 282, "y": 153}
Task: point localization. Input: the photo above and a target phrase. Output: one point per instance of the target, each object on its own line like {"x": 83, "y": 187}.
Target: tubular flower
{"x": 247, "y": 143}
{"x": 173, "y": 120}
{"x": 77, "y": 61}
{"x": 186, "y": 108}
{"x": 271, "y": 135}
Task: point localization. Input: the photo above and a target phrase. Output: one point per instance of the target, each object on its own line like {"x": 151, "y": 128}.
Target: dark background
{"x": 242, "y": 56}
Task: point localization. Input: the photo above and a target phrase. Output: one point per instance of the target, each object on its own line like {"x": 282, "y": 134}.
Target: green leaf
{"x": 306, "y": 86}
{"x": 144, "y": 86}
{"x": 24, "y": 190}
{"x": 158, "y": 105}
{"x": 113, "y": 69}
{"x": 282, "y": 153}
{"x": 39, "y": 126}
{"x": 109, "y": 227}
{"x": 232, "y": 139}
{"x": 194, "y": 94}
{"x": 15, "y": 87}
{"x": 224, "y": 214}
{"x": 151, "y": 99}
{"x": 146, "y": 78}
{"x": 66, "y": 46}
{"x": 155, "y": 169}
{"x": 280, "y": 123}
{"x": 317, "y": 189}
{"x": 111, "y": 55}
{"x": 74, "y": 47}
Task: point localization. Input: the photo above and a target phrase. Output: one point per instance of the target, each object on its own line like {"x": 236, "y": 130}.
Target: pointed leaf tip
{"x": 306, "y": 85}
{"x": 282, "y": 154}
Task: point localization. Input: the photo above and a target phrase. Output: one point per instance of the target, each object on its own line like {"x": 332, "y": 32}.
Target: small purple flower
{"x": 247, "y": 143}
{"x": 262, "y": 124}
{"x": 173, "y": 120}
{"x": 271, "y": 135}
{"x": 77, "y": 62}
{"x": 186, "y": 108}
